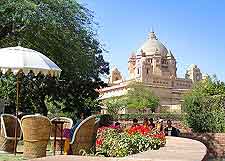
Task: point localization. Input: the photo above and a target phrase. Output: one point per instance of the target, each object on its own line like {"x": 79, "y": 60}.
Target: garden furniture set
{"x": 36, "y": 132}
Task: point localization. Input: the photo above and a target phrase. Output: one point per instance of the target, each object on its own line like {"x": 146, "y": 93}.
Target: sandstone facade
{"x": 155, "y": 66}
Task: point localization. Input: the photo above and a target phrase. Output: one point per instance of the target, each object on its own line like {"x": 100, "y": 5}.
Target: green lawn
{"x": 19, "y": 156}
{"x": 11, "y": 157}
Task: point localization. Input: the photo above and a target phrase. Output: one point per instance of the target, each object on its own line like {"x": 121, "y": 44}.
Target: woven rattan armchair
{"x": 83, "y": 136}
{"x": 36, "y": 133}
{"x": 7, "y": 132}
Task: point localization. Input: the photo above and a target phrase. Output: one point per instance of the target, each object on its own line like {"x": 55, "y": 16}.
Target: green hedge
{"x": 155, "y": 116}
{"x": 205, "y": 113}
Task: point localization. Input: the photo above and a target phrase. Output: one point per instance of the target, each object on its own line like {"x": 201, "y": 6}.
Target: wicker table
{"x": 58, "y": 122}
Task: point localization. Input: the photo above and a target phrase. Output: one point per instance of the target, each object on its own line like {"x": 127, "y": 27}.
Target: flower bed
{"x": 115, "y": 142}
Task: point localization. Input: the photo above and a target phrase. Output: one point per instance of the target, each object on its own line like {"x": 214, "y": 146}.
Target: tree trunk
{"x": 42, "y": 107}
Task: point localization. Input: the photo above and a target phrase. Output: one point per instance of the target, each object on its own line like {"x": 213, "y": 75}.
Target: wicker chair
{"x": 83, "y": 136}
{"x": 36, "y": 133}
{"x": 67, "y": 125}
{"x": 7, "y": 132}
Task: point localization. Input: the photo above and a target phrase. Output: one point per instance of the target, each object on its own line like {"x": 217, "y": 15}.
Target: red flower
{"x": 139, "y": 129}
{"x": 99, "y": 141}
{"x": 159, "y": 135}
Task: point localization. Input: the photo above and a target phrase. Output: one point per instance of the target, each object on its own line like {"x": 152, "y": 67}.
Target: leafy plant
{"x": 105, "y": 120}
{"x": 8, "y": 91}
{"x": 33, "y": 91}
{"x": 140, "y": 97}
{"x": 204, "y": 106}
{"x": 115, "y": 104}
{"x": 112, "y": 142}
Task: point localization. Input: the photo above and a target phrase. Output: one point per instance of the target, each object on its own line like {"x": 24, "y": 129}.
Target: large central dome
{"x": 153, "y": 46}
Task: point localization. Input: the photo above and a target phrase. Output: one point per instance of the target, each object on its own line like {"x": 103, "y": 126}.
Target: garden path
{"x": 176, "y": 149}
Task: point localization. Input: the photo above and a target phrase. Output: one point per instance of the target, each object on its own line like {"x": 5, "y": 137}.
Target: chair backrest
{"x": 36, "y": 127}
{"x": 84, "y": 132}
{"x": 8, "y": 126}
{"x": 96, "y": 125}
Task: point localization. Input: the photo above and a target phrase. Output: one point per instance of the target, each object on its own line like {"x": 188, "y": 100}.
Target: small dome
{"x": 170, "y": 55}
{"x": 114, "y": 69}
{"x": 153, "y": 46}
{"x": 192, "y": 66}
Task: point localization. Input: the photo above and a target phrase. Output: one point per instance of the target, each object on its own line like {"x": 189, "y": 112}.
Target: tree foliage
{"x": 64, "y": 31}
{"x": 32, "y": 94}
{"x": 141, "y": 97}
{"x": 204, "y": 106}
{"x": 115, "y": 104}
{"x": 8, "y": 91}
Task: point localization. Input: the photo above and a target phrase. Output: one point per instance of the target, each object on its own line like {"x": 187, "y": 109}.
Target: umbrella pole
{"x": 17, "y": 107}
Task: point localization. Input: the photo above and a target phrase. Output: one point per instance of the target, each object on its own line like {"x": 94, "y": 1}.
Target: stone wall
{"x": 215, "y": 142}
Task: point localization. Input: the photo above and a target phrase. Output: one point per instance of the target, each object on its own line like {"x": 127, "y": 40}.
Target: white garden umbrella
{"x": 19, "y": 58}
{"x": 22, "y": 59}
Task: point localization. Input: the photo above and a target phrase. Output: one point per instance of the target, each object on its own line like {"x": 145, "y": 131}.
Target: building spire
{"x": 152, "y": 29}
{"x": 152, "y": 36}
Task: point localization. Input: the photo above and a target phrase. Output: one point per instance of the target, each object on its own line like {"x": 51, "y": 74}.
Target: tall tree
{"x": 115, "y": 104}
{"x": 64, "y": 31}
{"x": 204, "y": 106}
{"x": 141, "y": 97}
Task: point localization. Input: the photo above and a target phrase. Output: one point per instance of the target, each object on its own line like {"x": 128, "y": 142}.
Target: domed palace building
{"x": 155, "y": 66}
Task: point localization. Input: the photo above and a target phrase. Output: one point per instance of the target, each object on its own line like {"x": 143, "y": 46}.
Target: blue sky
{"x": 194, "y": 30}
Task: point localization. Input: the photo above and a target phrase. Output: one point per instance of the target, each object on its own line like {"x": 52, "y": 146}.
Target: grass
{"x": 19, "y": 156}
{"x": 11, "y": 157}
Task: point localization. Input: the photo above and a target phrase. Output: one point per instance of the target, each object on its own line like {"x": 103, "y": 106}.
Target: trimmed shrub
{"x": 105, "y": 120}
